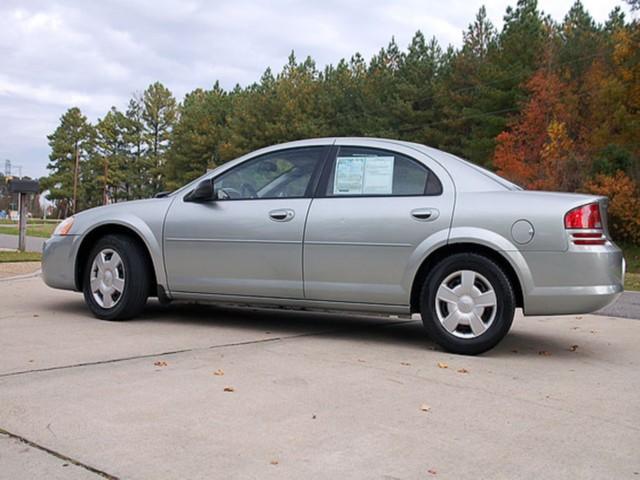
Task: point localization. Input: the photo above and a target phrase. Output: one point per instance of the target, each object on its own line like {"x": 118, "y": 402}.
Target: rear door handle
{"x": 425, "y": 214}
{"x": 282, "y": 215}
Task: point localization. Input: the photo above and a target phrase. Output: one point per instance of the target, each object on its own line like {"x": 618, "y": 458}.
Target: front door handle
{"x": 282, "y": 215}
{"x": 425, "y": 214}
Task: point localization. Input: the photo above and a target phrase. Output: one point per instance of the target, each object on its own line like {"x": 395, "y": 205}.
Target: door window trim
{"x": 329, "y": 165}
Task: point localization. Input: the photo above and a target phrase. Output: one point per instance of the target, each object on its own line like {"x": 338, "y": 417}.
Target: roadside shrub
{"x": 624, "y": 204}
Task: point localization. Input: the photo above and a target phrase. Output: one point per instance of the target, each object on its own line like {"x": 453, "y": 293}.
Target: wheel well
{"x": 110, "y": 229}
{"x": 453, "y": 248}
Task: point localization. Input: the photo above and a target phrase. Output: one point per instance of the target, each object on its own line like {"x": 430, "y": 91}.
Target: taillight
{"x": 586, "y": 217}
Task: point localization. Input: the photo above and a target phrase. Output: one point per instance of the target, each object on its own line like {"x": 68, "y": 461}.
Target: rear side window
{"x": 360, "y": 171}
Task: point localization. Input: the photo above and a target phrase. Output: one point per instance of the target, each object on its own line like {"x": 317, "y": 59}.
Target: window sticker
{"x": 363, "y": 175}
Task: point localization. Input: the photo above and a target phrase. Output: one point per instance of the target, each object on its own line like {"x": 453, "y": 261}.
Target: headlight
{"x": 64, "y": 227}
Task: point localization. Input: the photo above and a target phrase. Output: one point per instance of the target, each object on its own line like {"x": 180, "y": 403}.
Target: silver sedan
{"x": 355, "y": 224}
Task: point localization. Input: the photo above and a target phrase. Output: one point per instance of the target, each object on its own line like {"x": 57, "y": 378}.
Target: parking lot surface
{"x": 192, "y": 391}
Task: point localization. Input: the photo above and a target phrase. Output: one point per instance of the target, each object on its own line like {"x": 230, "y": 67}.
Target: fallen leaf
{"x": 406, "y": 364}
{"x": 362, "y": 361}
{"x": 424, "y": 407}
{"x": 36, "y": 315}
{"x": 274, "y": 462}
{"x": 160, "y": 364}
{"x": 578, "y": 318}
{"x": 431, "y": 471}
{"x": 442, "y": 365}
{"x": 463, "y": 370}
{"x": 544, "y": 353}
{"x": 219, "y": 372}
{"x": 573, "y": 348}
{"x": 229, "y": 389}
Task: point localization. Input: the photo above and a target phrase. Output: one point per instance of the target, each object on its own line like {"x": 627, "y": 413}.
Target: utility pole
{"x": 75, "y": 177}
{"x": 105, "y": 189}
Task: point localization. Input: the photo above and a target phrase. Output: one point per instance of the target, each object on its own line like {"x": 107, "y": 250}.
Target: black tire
{"x": 133, "y": 298}
{"x": 504, "y": 308}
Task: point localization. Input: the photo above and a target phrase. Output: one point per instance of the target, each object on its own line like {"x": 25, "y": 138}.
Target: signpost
{"x": 23, "y": 188}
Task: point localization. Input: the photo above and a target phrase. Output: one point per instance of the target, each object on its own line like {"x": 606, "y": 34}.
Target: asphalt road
{"x": 34, "y": 244}
{"x": 627, "y": 306}
{"x": 314, "y": 396}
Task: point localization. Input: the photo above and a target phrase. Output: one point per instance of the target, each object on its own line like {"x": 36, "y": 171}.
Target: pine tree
{"x": 71, "y": 145}
{"x": 111, "y": 153}
{"x": 159, "y": 115}
{"x": 136, "y": 165}
{"x": 199, "y": 136}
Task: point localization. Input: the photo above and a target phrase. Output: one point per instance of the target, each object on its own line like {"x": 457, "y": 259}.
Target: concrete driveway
{"x": 312, "y": 396}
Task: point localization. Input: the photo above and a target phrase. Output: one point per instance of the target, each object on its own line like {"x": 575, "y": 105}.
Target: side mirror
{"x": 202, "y": 193}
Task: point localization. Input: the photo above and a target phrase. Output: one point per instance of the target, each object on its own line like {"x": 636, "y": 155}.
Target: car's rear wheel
{"x": 467, "y": 304}
{"x": 115, "y": 283}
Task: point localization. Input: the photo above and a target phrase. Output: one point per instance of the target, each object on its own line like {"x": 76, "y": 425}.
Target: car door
{"x": 247, "y": 240}
{"x": 374, "y": 212}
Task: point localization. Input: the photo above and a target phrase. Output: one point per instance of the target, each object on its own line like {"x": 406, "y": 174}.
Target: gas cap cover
{"x": 522, "y": 232}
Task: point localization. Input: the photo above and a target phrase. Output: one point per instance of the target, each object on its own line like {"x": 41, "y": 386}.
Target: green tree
{"x": 159, "y": 115}
{"x": 136, "y": 165}
{"x": 198, "y": 139}
{"x": 71, "y": 145}
{"x": 111, "y": 154}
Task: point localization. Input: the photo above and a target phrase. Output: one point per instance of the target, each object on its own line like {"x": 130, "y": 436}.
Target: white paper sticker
{"x": 363, "y": 175}
{"x": 349, "y": 176}
{"x": 378, "y": 175}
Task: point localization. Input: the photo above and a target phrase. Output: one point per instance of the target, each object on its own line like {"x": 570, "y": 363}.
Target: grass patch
{"x": 13, "y": 256}
{"x": 6, "y": 221}
{"x": 632, "y": 281}
{"x": 632, "y": 256}
{"x": 43, "y": 230}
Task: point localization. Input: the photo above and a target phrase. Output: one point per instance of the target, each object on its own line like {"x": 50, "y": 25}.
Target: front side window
{"x": 283, "y": 174}
{"x": 372, "y": 172}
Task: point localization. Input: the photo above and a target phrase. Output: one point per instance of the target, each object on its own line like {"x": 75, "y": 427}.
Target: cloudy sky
{"x": 95, "y": 54}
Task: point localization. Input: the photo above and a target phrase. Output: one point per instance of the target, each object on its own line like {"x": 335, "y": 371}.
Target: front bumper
{"x": 58, "y": 261}
{"x": 580, "y": 280}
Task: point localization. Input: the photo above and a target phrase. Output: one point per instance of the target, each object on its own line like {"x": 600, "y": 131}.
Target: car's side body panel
{"x": 235, "y": 248}
{"x": 359, "y": 249}
{"x": 145, "y": 218}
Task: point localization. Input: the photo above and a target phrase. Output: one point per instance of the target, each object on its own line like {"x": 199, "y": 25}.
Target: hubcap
{"x": 107, "y": 278}
{"x": 466, "y": 304}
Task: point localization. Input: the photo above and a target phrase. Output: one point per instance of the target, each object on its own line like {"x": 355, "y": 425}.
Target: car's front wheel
{"x": 467, "y": 304}
{"x": 115, "y": 283}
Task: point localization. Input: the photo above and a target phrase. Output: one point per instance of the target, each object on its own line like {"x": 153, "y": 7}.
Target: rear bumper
{"x": 580, "y": 280}
{"x": 58, "y": 262}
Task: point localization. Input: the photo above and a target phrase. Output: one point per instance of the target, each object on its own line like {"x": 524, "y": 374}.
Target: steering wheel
{"x": 247, "y": 190}
{"x": 226, "y": 193}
